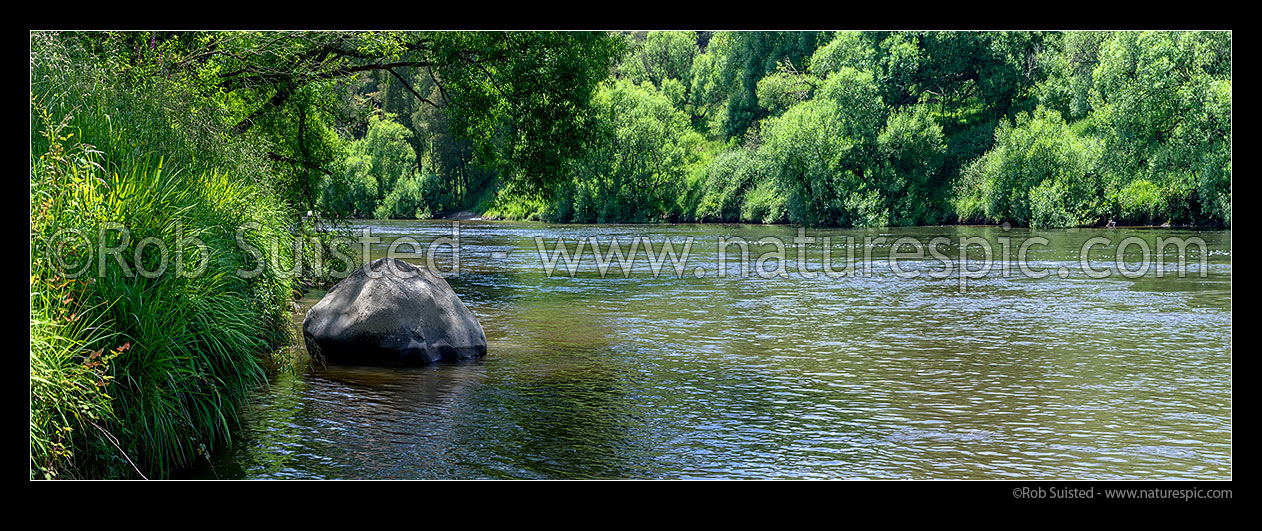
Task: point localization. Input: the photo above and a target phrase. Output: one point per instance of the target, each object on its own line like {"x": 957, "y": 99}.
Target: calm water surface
{"x": 860, "y": 377}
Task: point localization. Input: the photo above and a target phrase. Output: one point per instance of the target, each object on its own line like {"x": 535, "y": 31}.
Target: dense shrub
{"x": 134, "y": 373}
{"x": 351, "y": 192}
{"x": 911, "y": 150}
{"x": 765, "y": 203}
{"x": 415, "y": 198}
{"x": 853, "y": 128}
{"x": 639, "y": 161}
{"x": 823, "y": 153}
{"x": 1162, "y": 103}
{"x": 378, "y": 178}
{"x": 1142, "y": 202}
{"x": 1039, "y": 174}
{"x": 727, "y": 181}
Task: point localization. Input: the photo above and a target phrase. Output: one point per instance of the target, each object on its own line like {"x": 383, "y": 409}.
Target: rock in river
{"x": 391, "y": 312}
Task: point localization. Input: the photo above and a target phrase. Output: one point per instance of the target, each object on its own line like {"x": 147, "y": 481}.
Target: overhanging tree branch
{"x": 286, "y": 81}
{"x": 410, "y": 89}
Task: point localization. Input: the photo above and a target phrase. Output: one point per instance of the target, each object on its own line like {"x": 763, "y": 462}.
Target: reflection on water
{"x": 864, "y": 377}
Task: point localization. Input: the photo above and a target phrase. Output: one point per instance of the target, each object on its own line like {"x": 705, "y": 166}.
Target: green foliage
{"x": 812, "y": 157}
{"x": 784, "y": 88}
{"x": 415, "y": 197}
{"x": 1039, "y": 174}
{"x": 765, "y": 203}
{"x": 728, "y": 179}
{"x": 522, "y": 98}
{"x": 378, "y": 178}
{"x": 663, "y": 55}
{"x": 1162, "y": 103}
{"x": 851, "y": 49}
{"x": 822, "y": 152}
{"x": 911, "y": 150}
{"x": 1143, "y": 202}
{"x": 507, "y": 205}
{"x": 707, "y": 93}
{"x": 277, "y": 87}
{"x": 70, "y": 378}
{"x": 998, "y": 69}
{"x": 351, "y": 192}
{"x": 1070, "y": 73}
{"x": 439, "y": 150}
{"x": 639, "y": 160}
{"x": 301, "y": 139}
{"x": 745, "y": 57}
{"x": 169, "y": 357}
{"x": 965, "y": 146}
{"x": 515, "y": 115}
{"x": 898, "y": 70}
{"x": 676, "y": 93}
{"x": 388, "y": 146}
{"x": 858, "y": 103}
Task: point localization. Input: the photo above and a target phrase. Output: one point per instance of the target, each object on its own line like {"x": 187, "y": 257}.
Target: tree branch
{"x": 410, "y": 89}
{"x": 283, "y": 93}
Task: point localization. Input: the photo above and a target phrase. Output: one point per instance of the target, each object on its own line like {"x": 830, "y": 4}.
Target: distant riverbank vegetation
{"x": 1040, "y": 129}
{"x": 182, "y": 135}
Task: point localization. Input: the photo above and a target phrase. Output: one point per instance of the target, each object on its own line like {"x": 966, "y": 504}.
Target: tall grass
{"x": 69, "y": 376}
{"x": 132, "y": 375}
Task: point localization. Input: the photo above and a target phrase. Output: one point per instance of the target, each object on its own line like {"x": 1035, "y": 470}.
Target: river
{"x": 698, "y": 375}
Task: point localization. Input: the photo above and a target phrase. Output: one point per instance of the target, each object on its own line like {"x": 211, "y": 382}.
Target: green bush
{"x": 1142, "y": 202}
{"x": 352, "y": 192}
{"x": 783, "y": 89}
{"x": 374, "y": 168}
{"x": 1048, "y": 206}
{"x": 132, "y": 374}
{"x": 856, "y": 128}
{"x": 727, "y": 181}
{"x": 420, "y": 197}
{"x": 503, "y": 203}
{"x": 640, "y": 161}
{"x": 911, "y": 150}
{"x": 823, "y": 153}
{"x": 765, "y": 203}
{"x": 1039, "y": 174}
{"x": 971, "y": 190}
{"x": 846, "y": 49}
{"x": 1162, "y": 104}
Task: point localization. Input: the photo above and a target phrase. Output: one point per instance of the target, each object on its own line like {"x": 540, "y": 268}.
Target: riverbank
{"x": 469, "y": 215}
{"x": 463, "y": 215}
{"x": 140, "y": 365}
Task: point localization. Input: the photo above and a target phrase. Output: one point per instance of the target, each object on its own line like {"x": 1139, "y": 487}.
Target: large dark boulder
{"x": 391, "y": 312}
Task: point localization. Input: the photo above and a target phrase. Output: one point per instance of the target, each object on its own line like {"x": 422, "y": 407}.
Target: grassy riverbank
{"x": 131, "y": 375}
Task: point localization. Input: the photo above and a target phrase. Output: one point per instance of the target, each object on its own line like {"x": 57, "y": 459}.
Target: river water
{"x": 698, "y": 375}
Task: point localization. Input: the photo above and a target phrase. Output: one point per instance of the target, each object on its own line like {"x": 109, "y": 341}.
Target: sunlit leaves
{"x": 1163, "y": 103}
